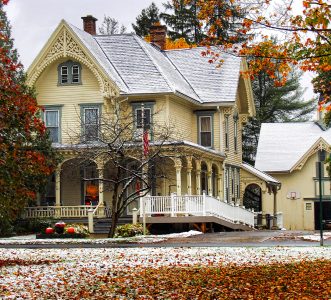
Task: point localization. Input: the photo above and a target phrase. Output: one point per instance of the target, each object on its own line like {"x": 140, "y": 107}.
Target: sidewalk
{"x": 189, "y": 239}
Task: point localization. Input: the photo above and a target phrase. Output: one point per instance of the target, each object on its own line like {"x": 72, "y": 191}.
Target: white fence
{"x": 195, "y": 206}
{"x": 80, "y": 211}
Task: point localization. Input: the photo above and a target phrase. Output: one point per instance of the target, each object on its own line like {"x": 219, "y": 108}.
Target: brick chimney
{"x": 158, "y": 35}
{"x": 89, "y": 24}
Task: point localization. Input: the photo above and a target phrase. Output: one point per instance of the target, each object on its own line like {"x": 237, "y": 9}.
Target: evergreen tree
{"x": 146, "y": 19}
{"x": 222, "y": 24}
{"x": 111, "y": 26}
{"x": 26, "y": 155}
{"x": 274, "y": 104}
{"x": 182, "y": 20}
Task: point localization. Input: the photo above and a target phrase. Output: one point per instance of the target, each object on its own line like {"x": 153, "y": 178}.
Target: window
{"x": 142, "y": 113}
{"x": 235, "y": 133}
{"x": 205, "y": 131}
{"x": 205, "y": 127}
{"x": 226, "y": 125}
{"x": 91, "y": 123}
{"x": 75, "y": 74}
{"x": 139, "y": 112}
{"x": 69, "y": 73}
{"x": 64, "y": 74}
{"x": 52, "y": 122}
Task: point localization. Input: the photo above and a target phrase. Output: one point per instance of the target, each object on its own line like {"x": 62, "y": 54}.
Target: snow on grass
{"x": 31, "y": 239}
{"x": 71, "y": 268}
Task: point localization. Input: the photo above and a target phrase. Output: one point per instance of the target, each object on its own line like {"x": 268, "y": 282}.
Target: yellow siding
{"x": 233, "y": 157}
{"x": 183, "y": 119}
{"x": 70, "y": 96}
{"x": 296, "y": 217}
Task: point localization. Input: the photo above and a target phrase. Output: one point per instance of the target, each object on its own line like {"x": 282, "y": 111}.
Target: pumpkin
{"x": 70, "y": 230}
{"x": 49, "y": 230}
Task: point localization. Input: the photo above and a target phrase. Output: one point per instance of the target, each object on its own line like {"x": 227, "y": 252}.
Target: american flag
{"x": 146, "y": 142}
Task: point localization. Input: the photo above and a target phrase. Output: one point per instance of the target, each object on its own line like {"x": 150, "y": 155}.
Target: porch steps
{"x": 101, "y": 226}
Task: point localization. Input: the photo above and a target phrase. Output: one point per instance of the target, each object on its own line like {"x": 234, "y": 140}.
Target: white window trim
{"x": 98, "y": 114}
{"x": 211, "y": 133}
{"x": 58, "y": 121}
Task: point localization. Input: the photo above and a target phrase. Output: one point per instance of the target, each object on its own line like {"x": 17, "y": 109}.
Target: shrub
{"x": 32, "y": 225}
{"x": 129, "y": 230}
{"x": 79, "y": 229}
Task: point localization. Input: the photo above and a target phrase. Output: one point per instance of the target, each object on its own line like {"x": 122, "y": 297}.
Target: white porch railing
{"x": 195, "y": 206}
{"x": 80, "y": 211}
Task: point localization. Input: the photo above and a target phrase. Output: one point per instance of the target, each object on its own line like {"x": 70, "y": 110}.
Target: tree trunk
{"x": 114, "y": 212}
{"x": 114, "y": 220}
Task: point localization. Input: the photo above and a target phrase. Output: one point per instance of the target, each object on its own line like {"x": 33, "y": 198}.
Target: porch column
{"x": 100, "y": 174}
{"x": 274, "y": 223}
{"x": 189, "y": 175}
{"x": 101, "y": 210}
{"x": 198, "y": 176}
{"x": 210, "y": 183}
{"x": 219, "y": 186}
{"x": 178, "y": 166}
{"x": 58, "y": 186}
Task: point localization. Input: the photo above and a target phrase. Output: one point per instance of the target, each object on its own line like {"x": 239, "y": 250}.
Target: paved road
{"x": 219, "y": 239}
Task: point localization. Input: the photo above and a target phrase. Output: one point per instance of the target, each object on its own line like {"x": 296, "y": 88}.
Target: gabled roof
{"x": 265, "y": 177}
{"x": 283, "y": 146}
{"x": 138, "y": 67}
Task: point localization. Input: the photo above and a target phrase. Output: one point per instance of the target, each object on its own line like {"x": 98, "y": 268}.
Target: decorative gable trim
{"x": 320, "y": 144}
{"x": 64, "y": 43}
{"x": 248, "y": 88}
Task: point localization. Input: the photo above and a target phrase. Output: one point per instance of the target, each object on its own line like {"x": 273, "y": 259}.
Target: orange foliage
{"x": 171, "y": 45}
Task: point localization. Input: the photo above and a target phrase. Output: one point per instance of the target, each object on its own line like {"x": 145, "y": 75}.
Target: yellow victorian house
{"x": 79, "y": 75}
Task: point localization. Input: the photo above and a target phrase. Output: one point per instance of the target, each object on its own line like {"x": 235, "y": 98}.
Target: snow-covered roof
{"x": 267, "y": 178}
{"x": 282, "y": 145}
{"x": 138, "y": 67}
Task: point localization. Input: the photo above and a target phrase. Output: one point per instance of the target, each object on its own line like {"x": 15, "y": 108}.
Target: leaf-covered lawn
{"x": 166, "y": 273}
{"x": 303, "y": 280}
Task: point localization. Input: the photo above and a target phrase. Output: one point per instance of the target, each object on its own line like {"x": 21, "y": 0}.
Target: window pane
{"x": 139, "y": 118}
{"x": 91, "y": 116}
{"x": 64, "y": 74}
{"x": 205, "y": 139}
{"x": 91, "y": 132}
{"x": 205, "y": 124}
{"x": 75, "y": 74}
{"x": 54, "y": 134}
{"x": 51, "y": 118}
{"x": 147, "y": 117}
{"x": 91, "y": 123}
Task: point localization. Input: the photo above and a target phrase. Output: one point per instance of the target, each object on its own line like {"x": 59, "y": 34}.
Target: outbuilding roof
{"x": 264, "y": 176}
{"x": 282, "y": 145}
{"x": 137, "y": 67}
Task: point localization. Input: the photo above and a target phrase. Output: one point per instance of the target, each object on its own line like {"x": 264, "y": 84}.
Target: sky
{"x": 33, "y": 21}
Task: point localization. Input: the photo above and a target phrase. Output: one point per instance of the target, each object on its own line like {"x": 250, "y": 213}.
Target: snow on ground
{"x": 74, "y": 267}
{"x": 31, "y": 239}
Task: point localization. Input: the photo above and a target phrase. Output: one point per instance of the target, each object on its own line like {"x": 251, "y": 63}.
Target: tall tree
{"x": 322, "y": 86}
{"x": 274, "y": 104}
{"x": 181, "y": 20}
{"x": 111, "y": 26}
{"x": 306, "y": 36}
{"x": 26, "y": 156}
{"x": 146, "y": 19}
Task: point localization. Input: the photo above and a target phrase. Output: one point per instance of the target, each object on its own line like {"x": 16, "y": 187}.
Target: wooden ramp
{"x": 195, "y": 210}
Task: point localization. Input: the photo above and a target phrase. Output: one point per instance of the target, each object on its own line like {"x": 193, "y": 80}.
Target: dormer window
{"x": 69, "y": 73}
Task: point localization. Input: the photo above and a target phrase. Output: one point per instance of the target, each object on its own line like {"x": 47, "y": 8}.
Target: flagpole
{"x": 142, "y": 161}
